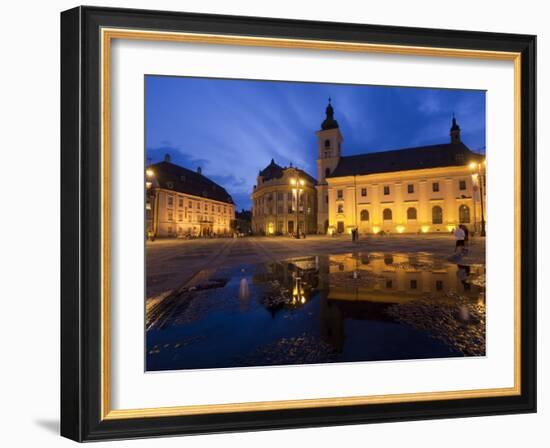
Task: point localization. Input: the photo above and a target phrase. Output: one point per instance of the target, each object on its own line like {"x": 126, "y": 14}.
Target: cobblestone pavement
{"x": 173, "y": 263}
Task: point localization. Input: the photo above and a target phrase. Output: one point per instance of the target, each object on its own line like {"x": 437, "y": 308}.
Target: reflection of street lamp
{"x": 298, "y": 297}
{"x": 479, "y": 178}
{"x": 297, "y": 182}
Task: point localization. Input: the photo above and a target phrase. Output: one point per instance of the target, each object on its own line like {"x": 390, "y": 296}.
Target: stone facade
{"x": 424, "y": 189}
{"x": 180, "y": 202}
{"x": 282, "y": 197}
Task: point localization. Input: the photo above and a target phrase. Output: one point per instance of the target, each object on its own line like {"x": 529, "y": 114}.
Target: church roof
{"x": 272, "y": 171}
{"x": 275, "y": 171}
{"x": 422, "y": 157}
{"x": 182, "y": 180}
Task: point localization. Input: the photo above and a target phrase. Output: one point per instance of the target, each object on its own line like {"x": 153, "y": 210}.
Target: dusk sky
{"x": 232, "y": 128}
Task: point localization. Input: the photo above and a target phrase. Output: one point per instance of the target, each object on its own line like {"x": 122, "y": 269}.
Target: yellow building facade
{"x": 181, "y": 202}
{"x": 284, "y": 200}
{"x": 414, "y": 190}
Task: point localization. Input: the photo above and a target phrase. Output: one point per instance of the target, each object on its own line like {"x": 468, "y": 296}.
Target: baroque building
{"x": 284, "y": 200}
{"x": 181, "y": 202}
{"x": 421, "y": 189}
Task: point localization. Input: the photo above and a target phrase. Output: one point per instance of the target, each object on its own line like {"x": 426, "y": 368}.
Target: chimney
{"x": 199, "y": 170}
{"x": 167, "y": 158}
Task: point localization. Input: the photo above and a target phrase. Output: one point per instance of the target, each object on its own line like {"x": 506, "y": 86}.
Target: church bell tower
{"x": 455, "y": 131}
{"x": 329, "y": 148}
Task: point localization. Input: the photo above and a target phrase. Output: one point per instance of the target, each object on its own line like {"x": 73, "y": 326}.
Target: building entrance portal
{"x": 290, "y": 226}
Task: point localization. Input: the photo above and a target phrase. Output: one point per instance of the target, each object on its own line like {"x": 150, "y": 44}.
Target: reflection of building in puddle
{"x": 395, "y": 278}
{"x": 290, "y": 284}
{"x": 362, "y": 287}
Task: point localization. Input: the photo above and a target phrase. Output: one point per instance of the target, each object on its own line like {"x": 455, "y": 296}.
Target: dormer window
{"x": 170, "y": 185}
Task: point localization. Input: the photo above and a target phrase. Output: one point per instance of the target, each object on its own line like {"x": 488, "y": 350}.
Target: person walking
{"x": 459, "y": 237}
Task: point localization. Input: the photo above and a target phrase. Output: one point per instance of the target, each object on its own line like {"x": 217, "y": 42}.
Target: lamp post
{"x": 297, "y": 182}
{"x": 149, "y": 178}
{"x": 475, "y": 166}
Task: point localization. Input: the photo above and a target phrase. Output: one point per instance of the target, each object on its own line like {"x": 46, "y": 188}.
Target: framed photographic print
{"x": 274, "y": 223}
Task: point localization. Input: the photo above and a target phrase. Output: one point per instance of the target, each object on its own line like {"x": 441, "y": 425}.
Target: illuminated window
{"x": 340, "y": 208}
{"x": 411, "y": 213}
{"x": 464, "y": 214}
{"x": 437, "y": 215}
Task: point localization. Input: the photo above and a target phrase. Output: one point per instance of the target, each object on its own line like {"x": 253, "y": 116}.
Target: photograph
{"x": 296, "y": 223}
{"x": 281, "y": 222}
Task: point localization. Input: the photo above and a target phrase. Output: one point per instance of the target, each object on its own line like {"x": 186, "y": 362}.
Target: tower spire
{"x": 329, "y": 122}
{"x": 455, "y": 131}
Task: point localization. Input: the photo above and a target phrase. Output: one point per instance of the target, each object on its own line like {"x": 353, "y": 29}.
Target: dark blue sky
{"x": 232, "y": 128}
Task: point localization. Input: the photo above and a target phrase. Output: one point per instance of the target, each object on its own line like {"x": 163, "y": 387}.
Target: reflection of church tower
{"x": 329, "y": 146}
{"x": 455, "y": 131}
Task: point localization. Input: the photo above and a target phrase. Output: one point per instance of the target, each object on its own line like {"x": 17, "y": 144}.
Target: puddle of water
{"x": 330, "y": 308}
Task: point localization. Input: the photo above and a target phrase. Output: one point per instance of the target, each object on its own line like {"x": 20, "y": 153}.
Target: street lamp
{"x": 149, "y": 178}
{"x": 479, "y": 176}
{"x": 297, "y": 183}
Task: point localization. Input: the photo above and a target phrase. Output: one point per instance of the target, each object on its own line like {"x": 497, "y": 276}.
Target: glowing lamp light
{"x": 450, "y": 228}
{"x": 425, "y": 229}
{"x": 400, "y": 229}
{"x": 473, "y": 165}
{"x": 376, "y": 229}
{"x": 302, "y": 182}
{"x": 149, "y": 172}
{"x": 293, "y": 181}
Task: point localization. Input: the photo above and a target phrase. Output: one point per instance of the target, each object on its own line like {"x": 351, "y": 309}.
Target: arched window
{"x": 411, "y": 213}
{"x": 437, "y": 215}
{"x": 364, "y": 215}
{"x": 464, "y": 214}
{"x": 387, "y": 214}
{"x": 327, "y": 172}
{"x": 327, "y": 143}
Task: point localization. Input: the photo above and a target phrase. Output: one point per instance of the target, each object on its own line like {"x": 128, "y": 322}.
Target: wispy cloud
{"x": 233, "y": 128}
